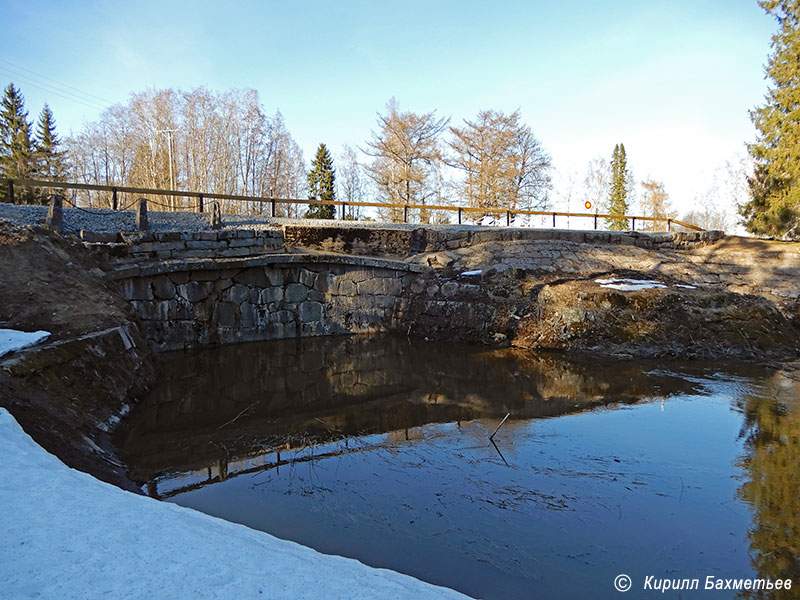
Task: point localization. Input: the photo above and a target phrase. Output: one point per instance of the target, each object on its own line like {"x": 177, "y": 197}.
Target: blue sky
{"x": 672, "y": 80}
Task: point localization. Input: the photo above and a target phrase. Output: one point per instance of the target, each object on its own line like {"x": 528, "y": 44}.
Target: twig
{"x": 239, "y": 415}
{"x": 498, "y": 451}
{"x": 499, "y": 426}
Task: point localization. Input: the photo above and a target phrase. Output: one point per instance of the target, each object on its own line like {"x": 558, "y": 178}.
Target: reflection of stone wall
{"x": 239, "y": 397}
{"x": 219, "y": 302}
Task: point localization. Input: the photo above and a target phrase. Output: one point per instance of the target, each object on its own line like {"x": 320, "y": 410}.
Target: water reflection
{"x": 377, "y": 448}
{"x": 772, "y": 466}
{"x": 212, "y": 408}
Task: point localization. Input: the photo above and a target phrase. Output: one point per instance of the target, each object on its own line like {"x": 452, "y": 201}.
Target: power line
{"x": 59, "y": 83}
{"x": 50, "y": 90}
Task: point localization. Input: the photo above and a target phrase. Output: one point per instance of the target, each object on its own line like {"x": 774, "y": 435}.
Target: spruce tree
{"x": 774, "y": 206}
{"x": 618, "y": 196}
{"x": 51, "y": 160}
{"x": 17, "y": 157}
{"x": 321, "y": 180}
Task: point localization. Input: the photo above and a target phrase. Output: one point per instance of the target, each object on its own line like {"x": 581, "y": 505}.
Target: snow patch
{"x": 470, "y": 273}
{"x": 633, "y": 285}
{"x": 12, "y": 340}
{"x": 630, "y": 285}
{"x": 67, "y": 535}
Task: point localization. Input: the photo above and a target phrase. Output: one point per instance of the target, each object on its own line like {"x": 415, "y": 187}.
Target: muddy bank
{"x": 70, "y": 392}
{"x": 655, "y": 319}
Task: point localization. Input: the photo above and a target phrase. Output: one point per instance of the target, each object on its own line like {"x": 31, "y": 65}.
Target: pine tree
{"x": 17, "y": 157}
{"x": 321, "y": 185}
{"x": 620, "y": 184}
{"x": 51, "y": 160}
{"x": 774, "y": 206}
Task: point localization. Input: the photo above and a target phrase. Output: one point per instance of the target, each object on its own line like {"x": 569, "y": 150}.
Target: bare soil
{"x": 51, "y": 283}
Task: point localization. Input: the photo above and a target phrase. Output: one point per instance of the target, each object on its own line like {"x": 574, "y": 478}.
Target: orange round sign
{"x": 588, "y": 205}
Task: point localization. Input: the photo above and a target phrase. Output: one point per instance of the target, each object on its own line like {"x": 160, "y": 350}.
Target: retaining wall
{"x": 139, "y": 247}
{"x": 406, "y": 241}
{"x": 185, "y": 304}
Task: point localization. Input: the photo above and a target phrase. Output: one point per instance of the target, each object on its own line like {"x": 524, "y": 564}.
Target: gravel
{"x": 108, "y": 220}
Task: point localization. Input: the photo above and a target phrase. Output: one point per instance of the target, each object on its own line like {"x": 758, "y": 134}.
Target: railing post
{"x": 142, "y": 223}
{"x": 215, "y": 216}
{"x": 272, "y": 207}
{"x": 55, "y": 219}
{"x": 11, "y": 191}
{"x": 554, "y": 220}
{"x": 508, "y": 218}
{"x": 405, "y": 213}
{"x": 344, "y": 207}
{"x": 114, "y": 199}
{"x": 459, "y": 215}
{"x": 200, "y": 197}
{"x": 669, "y": 224}
{"x": 633, "y": 223}
{"x": 595, "y": 220}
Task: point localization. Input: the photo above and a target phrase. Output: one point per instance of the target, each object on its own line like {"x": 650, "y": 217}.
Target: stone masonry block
{"x": 195, "y": 291}
{"x": 224, "y": 314}
{"x": 163, "y": 288}
{"x": 295, "y": 292}
{"x": 136, "y": 289}
{"x": 254, "y": 276}
{"x": 237, "y": 293}
{"x": 271, "y": 294}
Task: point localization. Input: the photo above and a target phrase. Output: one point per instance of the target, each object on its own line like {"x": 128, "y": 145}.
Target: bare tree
{"x": 655, "y": 203}
{"x": 504, "y": 165}
{"x": 406, "y": 151}
{"x": 350, "y": 179}
{"x": 197, "y": 140}
{"x": 596, "y": 182}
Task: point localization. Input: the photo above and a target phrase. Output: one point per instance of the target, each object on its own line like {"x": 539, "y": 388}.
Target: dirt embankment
{"x": 69, "y": 392}
{"x": 674, "y": 320}
{"x": 53, "y": 284}
{"x": 737, "y": 298}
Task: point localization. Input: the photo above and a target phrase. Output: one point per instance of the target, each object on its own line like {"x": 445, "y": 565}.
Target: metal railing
{"x": 272, "y": 202}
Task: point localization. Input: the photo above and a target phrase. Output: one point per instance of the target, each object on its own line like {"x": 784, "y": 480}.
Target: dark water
{"x": 378, "y": 449}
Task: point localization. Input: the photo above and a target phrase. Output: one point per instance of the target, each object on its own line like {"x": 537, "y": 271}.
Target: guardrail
{"x": 273, "y": 202}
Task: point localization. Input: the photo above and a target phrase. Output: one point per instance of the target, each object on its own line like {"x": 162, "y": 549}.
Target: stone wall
{"x": 406, "y": 241}
{"x": 139, "y": 247}
{"x": 191, "y": 303}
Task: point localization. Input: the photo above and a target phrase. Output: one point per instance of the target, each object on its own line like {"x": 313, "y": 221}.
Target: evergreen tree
{"x": 51, "y": 160}
{"x": 17, "y": 157}
{"x": 321, "y": 181}
{"x": 620, "y": 184}
{"x": 774, "y": 206}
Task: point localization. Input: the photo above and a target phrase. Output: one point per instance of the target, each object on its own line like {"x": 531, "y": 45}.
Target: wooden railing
{"x": 202, "y": 197}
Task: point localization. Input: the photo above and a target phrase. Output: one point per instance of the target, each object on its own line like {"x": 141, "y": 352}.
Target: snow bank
{"x": 11, "y": 339}
{"x": 67, "y": 535}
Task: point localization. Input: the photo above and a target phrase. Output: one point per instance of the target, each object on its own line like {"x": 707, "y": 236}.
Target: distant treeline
{"x": 225, "y": 143}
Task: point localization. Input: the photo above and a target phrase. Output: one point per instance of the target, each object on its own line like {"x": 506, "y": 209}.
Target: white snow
{"x": 629, "y": 285}
{"x": 12, "y": 340}
{"x": 471, "y": 273}
{"x": 685, "y": 286}
{"x": 67, "y": 535}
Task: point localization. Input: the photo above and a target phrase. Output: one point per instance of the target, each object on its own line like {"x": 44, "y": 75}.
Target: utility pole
{"x": 169, "y": 133}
